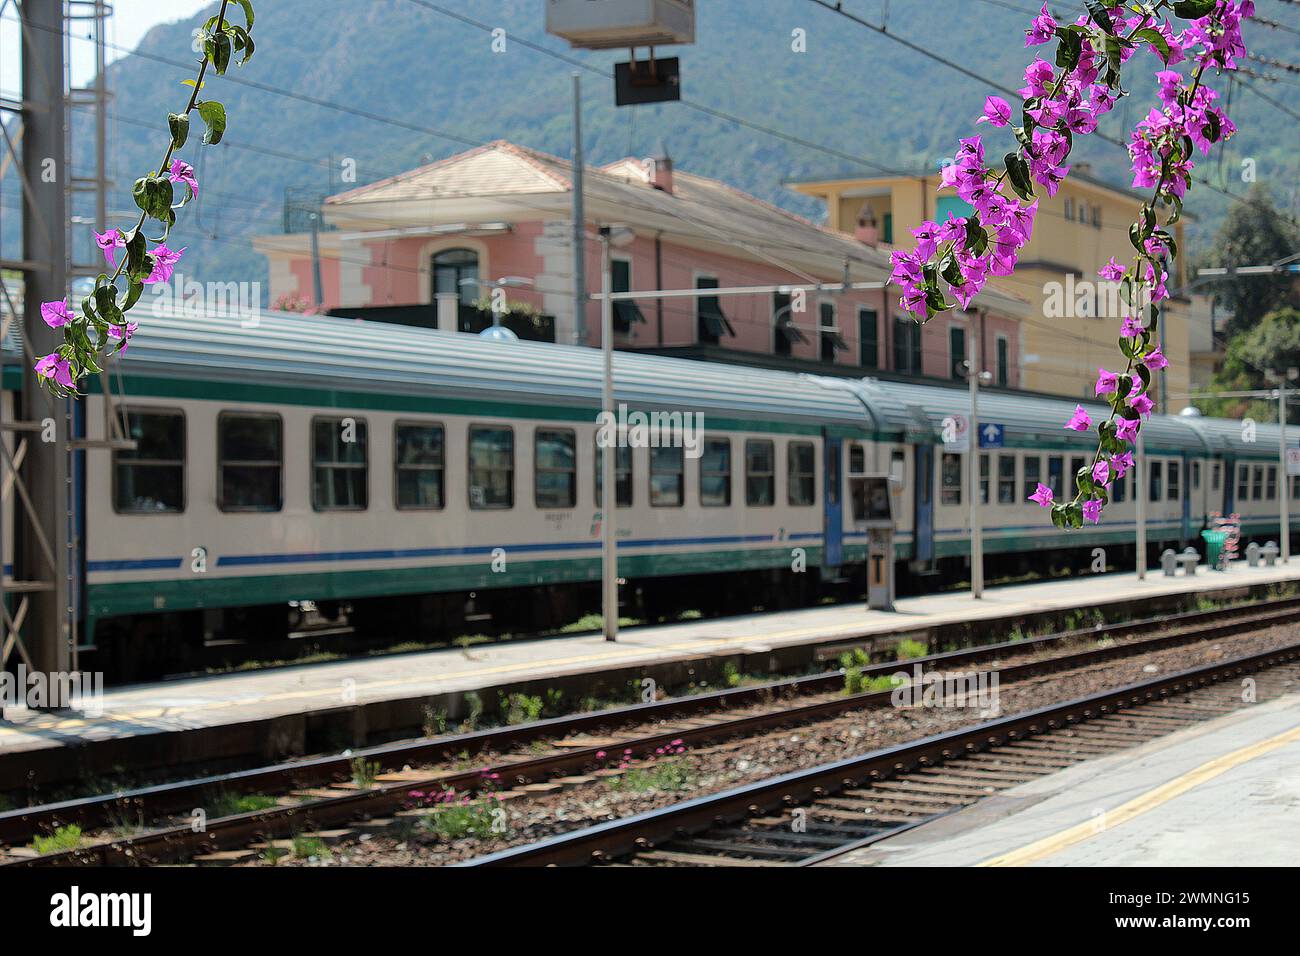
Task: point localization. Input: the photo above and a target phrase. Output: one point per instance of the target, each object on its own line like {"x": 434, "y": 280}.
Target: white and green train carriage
{"x": 414, "y": 480}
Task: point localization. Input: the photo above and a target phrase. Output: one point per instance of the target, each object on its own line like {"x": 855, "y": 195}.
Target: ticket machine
{"x": 873, "y": 512}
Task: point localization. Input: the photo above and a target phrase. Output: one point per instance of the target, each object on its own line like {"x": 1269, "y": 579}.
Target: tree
{"x": 1253, "y": 234}
{"x": 1271, "y": 345}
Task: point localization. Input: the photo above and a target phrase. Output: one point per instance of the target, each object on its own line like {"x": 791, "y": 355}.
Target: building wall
{"x": 1060, "y": 349}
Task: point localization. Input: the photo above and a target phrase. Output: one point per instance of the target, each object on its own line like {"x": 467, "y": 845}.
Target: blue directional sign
{"x": 991, "y": 435}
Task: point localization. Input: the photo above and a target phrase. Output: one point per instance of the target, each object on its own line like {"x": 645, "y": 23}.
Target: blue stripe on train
{"x": 245, "y": 560}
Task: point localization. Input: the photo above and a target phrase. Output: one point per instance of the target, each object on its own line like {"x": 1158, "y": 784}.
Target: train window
{"x": 857, "y": 459}
{"x": 1295, "y": 486}
{"x": 1055, "y": 466}
{"x": 715, "y": 473}
{"x": 1270, "y": 486}
{"x": 1196, "y": 476}
{"x": 1243, "y": 482}
{"x": 1174, "y": 492}
{"x": 667, "y": 477}
{"x": 151, "y": 478}
{"x": 950, "y": 480}
{"x": 1214, "y": 476}
{"x": 491, "y": 468}
{"x": 1033, "y": 474}
{"x": 340, "y": 464}
{"x": 1257, "y": 483}
{"x": 419, "y": 467}
{"x": 1006, "y": 480}
{"x": 555, "y": 468}
{"x": 622, "y": 476}
{"x": 1075, "y": 465}
{"x": 760, "y": 472}
{"x": 984, "y": 479}
{"x": 802, "y": 477}
{"x": 1119, "y": 488}
{"x": 1156, "y": 475}
{"x": 250, "y": 462}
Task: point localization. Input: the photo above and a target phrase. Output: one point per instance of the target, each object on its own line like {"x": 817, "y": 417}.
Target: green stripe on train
{"x": 146, "y": 597}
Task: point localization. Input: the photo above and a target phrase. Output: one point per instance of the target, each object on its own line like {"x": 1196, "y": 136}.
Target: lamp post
{"x": 610, "y": 236}
{"x": 975, "y": 376}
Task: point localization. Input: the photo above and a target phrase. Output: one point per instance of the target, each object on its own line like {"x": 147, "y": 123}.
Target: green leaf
{"x": 1100, "y": 15}
{"x": 136, "y": 253}
{"x": 1018, "y": 174}
{"x": 1157, "y": 40}
{"x": 179, "y": 124}
{"x": 135, "y": 287}
{"x": 1135, "y": 236}
{"x": 214, "y": 115}
{"x": 1069, "y": 49}
{"x": 1193, "y": 9}
{"x": 243, "y": 44}
{"x": 1144, "y": 373}
{"x": 248, "y": 11}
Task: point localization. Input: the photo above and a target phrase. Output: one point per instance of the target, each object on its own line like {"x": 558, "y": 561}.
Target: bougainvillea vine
{"x": 101, "y": 325}
{"x": 1063, "y": 100}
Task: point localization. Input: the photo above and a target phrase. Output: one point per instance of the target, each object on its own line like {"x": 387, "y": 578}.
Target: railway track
{"x": 330, "y": 800}
{"x": 811, "y": 816}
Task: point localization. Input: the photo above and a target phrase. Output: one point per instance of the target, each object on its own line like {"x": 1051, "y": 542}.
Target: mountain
{"x": 417, "y": 82}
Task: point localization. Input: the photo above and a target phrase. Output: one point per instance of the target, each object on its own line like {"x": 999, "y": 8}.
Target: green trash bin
{"x": 1214, "y": 542}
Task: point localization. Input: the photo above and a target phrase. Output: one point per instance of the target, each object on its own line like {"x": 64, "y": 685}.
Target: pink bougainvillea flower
{"x": 1111, "y": 271}
{"x": 1092, "y": 510}
{"x": 1155, "y": 359}
{"x": 54, "y": 366}
{"x": 1142, "y": 405}
{"x": 1041, "y": 29}
{"x": 56, "y": 314}
{"x": 1043, "y": 495}
{"x": 164, "y": 263}
{"x": 107, "y": 242}
{"x": 996, "y": 111}
{"x": 1122, "y": 462}
{"x": 184, "y": 173}
{"x": 1101, "y": 472}
{"x": 1131, "y": 327}
{"x": 122, "y": 333}
{"x": 1126, "y": 429}
{"x": 1107, "y": 382}
{"x": 1079, "y": 421}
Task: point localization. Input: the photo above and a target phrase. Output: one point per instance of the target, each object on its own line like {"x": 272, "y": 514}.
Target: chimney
{"x": 661, "y": 170}
{"x": 867, "y": 231}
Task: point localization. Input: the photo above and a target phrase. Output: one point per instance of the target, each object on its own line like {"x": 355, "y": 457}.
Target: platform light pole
{"x": 975, "y": 374}
{"x": 610, "y": 236}
{"x": 1284, "y": 499}
{"x": 1140, "y": 497}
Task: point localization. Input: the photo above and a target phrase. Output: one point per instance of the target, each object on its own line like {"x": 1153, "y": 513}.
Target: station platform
{"x": 1222, "y": 793}
{"x": 282, "y": 711}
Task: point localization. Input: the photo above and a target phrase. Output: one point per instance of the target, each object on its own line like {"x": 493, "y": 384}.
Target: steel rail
{"x": 170, "y": 841}
{"x": 618, "y": 838}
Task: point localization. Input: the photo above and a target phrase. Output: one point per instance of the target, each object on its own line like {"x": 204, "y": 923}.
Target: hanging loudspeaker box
{"x": 647, "y": 81}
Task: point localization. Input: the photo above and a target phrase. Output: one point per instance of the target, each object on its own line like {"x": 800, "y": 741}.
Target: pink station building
{"x": 425, "y": 247}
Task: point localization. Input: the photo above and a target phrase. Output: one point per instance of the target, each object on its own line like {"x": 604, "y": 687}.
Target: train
{"x": 419, "y": 483}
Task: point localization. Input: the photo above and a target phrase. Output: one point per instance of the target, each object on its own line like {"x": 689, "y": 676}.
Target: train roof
{"x": 916, "y": 410}
{"x": 319, "y": 355}
{"x": 356, "y": 356}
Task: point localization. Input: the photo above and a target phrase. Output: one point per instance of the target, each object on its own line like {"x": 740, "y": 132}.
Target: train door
{"x": 923, "y": 526}
{"x": 1186, "y": 485}
{"x": 1229, "y": 484}
{"x": 833, "y": 510}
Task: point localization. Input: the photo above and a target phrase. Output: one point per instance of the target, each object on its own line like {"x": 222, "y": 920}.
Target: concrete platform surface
{"x": 215, "y": 701}
{"x": 1222, "y": 793}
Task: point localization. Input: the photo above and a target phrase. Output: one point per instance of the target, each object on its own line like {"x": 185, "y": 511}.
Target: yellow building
{"x": 1074, "y": 320}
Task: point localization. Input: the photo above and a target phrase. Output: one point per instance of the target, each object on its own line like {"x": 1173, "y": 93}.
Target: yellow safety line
{"x": 1047, "y": 846}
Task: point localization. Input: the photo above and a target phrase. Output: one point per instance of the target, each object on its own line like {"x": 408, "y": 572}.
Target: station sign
{"x": 1293, "y": 461}
{"x": 991, "y": 435}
